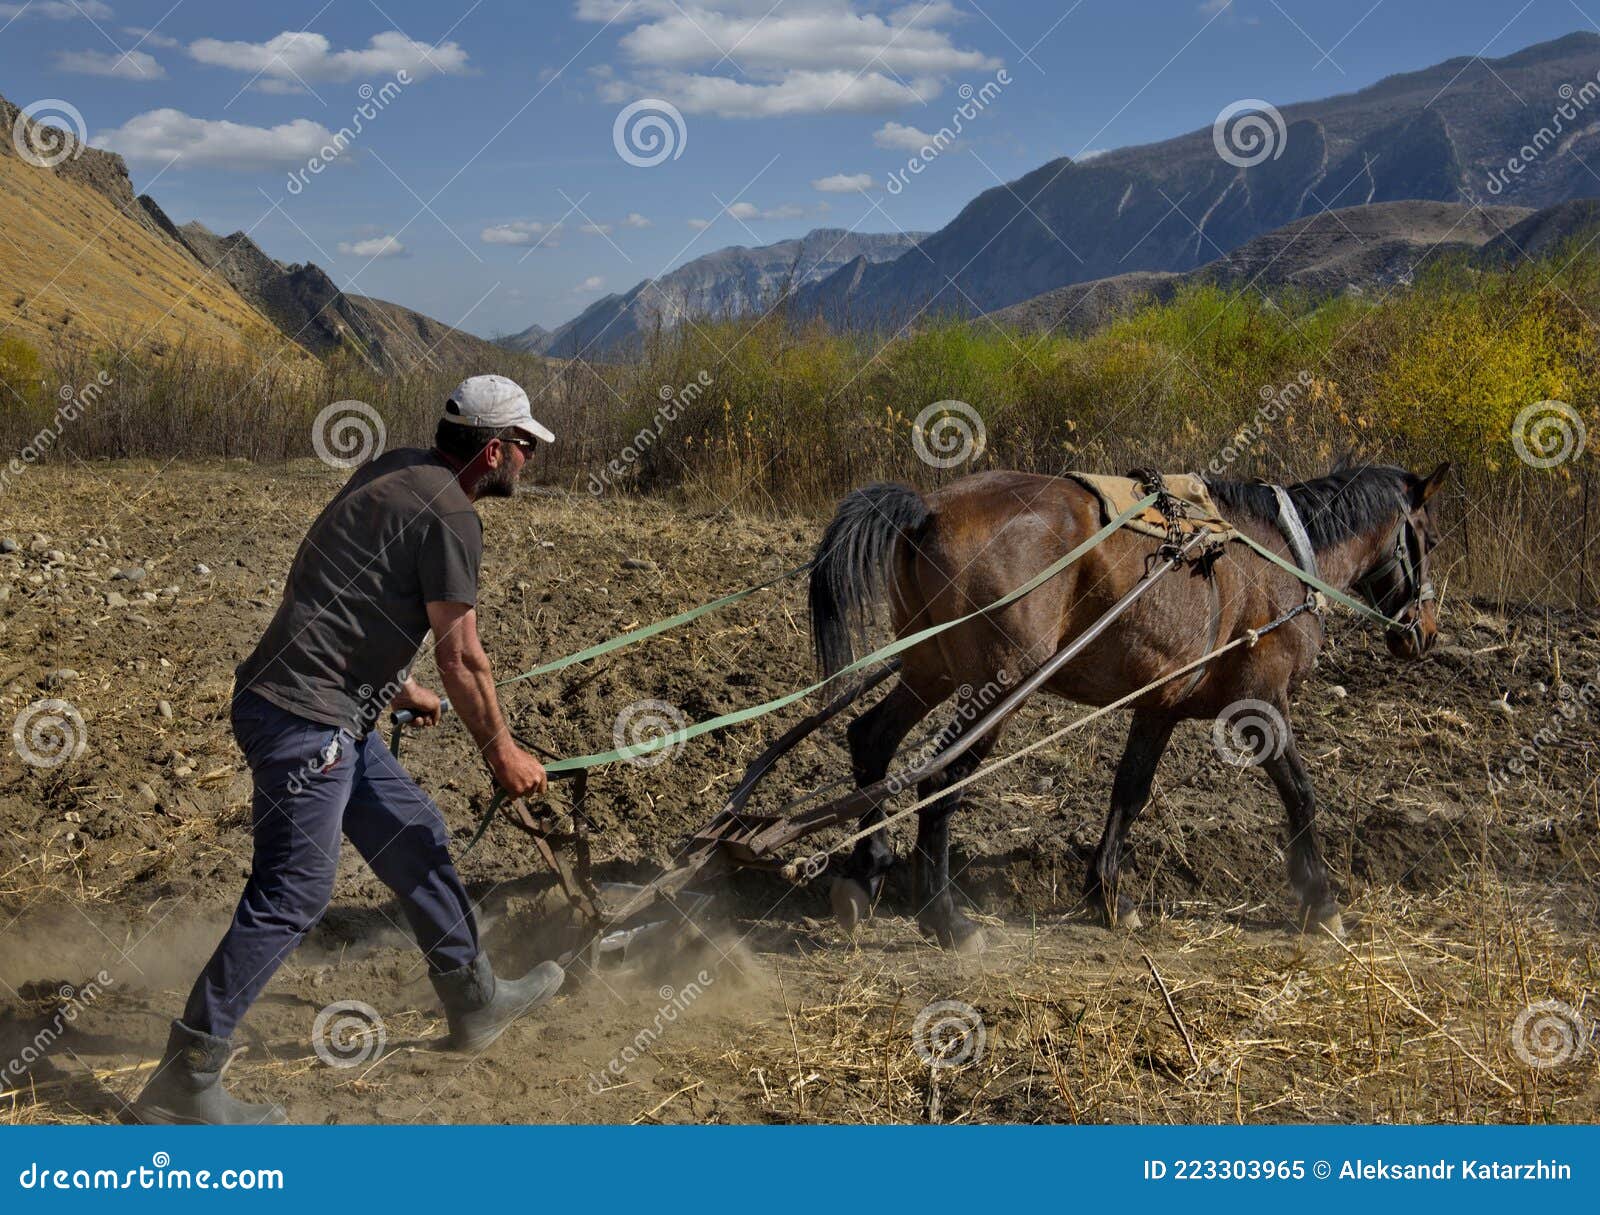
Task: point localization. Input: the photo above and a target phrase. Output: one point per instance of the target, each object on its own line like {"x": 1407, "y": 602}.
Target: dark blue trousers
{"x": 312, "y": 783}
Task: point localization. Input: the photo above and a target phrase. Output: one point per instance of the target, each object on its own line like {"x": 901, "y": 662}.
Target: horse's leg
{"x": 873, "y": 738}
{"x": 1130, "y": 790}
{"x": 1308, "y": 871}
{"x": 937, "y": 913}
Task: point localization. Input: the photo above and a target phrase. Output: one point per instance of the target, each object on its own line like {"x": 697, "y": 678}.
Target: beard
{"x": 498, "y": 483}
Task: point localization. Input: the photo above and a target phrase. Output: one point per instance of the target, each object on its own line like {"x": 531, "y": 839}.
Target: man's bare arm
{"x": 464, "y": 670}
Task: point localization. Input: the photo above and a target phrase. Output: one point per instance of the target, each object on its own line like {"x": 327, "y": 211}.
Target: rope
{"x": 739, "y": 716}
{"x": 1318, "y": 584}
{"x": 650, "y": 630}
{"x": 990, "y": 769}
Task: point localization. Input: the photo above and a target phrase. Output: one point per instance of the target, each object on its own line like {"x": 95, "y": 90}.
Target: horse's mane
{"x": 1346, "y": 502}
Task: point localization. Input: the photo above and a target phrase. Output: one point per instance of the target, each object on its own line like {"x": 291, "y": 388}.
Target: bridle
{"x": 1413, "y": 590}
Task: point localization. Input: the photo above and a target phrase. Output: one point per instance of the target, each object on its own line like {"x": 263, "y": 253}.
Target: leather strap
{"x": 1294, "y": 531}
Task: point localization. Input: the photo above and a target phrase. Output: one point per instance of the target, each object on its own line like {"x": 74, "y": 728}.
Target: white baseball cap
{"x": 495, "y": 402}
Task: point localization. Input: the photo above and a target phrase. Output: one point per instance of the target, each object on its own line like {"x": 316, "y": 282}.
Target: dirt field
{"x": 1468, "y": 989}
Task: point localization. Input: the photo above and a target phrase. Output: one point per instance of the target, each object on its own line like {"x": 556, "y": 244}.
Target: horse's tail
{"x": 854, "y": 566}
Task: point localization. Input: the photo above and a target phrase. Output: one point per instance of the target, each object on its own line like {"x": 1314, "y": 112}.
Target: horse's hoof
{"x": 1126, "y": 916}
{"x": 851, "y": 903}
{"x": 1329, "y": 923}
{"x": 960, "y": 935}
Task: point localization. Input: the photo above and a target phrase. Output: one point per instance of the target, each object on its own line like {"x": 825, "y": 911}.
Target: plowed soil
{"x": 1467, "y": 989}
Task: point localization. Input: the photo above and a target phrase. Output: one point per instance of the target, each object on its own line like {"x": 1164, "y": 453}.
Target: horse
{"x": 935, "y": 557}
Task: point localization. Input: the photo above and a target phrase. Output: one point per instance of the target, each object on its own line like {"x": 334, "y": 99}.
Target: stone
{"x": 164, "y": 709}
{"x": 1338, "y": 692}
{"x": 59, "y": 676}
{"x": 201, "y": 568}
{"x": 56, "y": 556}
{"x": 113, "y": 599}
{"x": 133, "y": 573}
{"x": 8, "y": 545}
{"x": 637, "y": 563}
{"x": 148, "y": 596}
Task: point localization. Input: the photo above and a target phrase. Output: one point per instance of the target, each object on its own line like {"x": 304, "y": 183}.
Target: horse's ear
{"x": 1431, "y": 484}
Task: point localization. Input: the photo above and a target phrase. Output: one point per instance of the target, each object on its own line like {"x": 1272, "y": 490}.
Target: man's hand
{"x": 517, "y": 772}
{"x": 464, "y": 668}
{"x": 425, "y": 705}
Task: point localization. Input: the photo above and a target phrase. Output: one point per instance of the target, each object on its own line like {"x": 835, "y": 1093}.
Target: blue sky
{"x": 486, "y": 188}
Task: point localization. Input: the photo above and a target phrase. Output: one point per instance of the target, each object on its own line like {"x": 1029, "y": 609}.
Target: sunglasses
{"x": 527, "y": 445}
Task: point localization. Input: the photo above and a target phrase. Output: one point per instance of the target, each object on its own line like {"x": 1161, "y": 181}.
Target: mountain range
{"x": 1448, "y": 133}
{"x": 729, "y": 282}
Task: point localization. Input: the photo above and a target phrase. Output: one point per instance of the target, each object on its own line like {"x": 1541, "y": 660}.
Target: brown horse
{"x": 938, "y": 556}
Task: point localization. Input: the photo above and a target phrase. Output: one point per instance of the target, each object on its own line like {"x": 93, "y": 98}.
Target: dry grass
{"x": 1414, "y": 1021}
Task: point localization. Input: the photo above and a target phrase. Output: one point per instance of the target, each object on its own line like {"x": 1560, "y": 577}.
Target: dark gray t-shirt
{"x": 401, "y": 534}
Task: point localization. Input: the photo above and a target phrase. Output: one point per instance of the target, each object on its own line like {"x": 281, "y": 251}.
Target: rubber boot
{"x": 187, "y": 1088}
{"x": 479, "y": 1007}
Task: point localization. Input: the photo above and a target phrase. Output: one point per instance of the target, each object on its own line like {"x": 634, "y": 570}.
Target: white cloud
{"x": 162, "y": 135}
{"x": 151, "y": 36}
{"x": 521, "y": 232}
{"x": 593, "y": 283}
{"x": 132, "y": 65}
{"x": 1210, "y": 8}
{"x": 843, "y": 183}
{"x": 294, "y": 56}
{"x": 1090, "y": 154}
{"x": 699, "y": 225}
{"x": 744, "y": 58}
{"x": 635, "y": 220}
{"x": 58, "y": 10}
{"x": 596, "y": 229}
{"x": 901, "y": 138}
{"x": 374, "y": 247}
{"x": 743, "y": 211}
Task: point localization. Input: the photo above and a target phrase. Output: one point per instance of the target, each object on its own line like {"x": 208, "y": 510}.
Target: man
{"x": 395, "y": 554}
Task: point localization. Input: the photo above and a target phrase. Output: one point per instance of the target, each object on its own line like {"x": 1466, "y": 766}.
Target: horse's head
{"x": 1397, "y": 583}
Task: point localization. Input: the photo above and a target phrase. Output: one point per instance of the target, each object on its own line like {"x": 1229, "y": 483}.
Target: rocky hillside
{"x": 729, "y": 282}
{"x": 303, "y": 302}
{"x": 1371, "y": 248}
{"x": 1436, "y": 134}
{"x": 87, "y": 260}
{"x": 83, "y": 262}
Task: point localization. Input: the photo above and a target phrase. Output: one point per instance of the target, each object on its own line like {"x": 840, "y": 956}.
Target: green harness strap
{"x": 889, "y": 651}
{"x": 650, "y": 630}
{"x": 1318, "y": 584}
